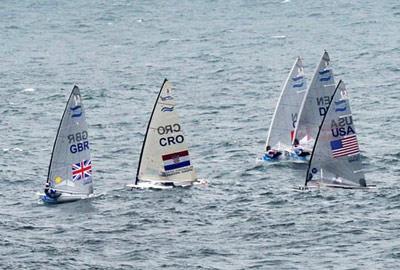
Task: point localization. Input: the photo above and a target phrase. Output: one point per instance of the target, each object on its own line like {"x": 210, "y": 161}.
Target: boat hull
{"x": 321, "y": 185}
{"x": 165, "y": 185}
{"x": 287, "y": 156}
{"x": 63, "y": 198}
{"x": 149, "y": 185}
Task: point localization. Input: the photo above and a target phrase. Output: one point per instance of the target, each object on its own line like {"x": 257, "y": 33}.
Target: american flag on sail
{"x": 81, "y": 170}
{"x": 348, "y": 146}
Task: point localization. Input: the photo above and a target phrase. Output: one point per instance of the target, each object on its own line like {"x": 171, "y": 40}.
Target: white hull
{"x": 168, "y": 185}
{"x": 149, "y": 185}
{"x": 319, "y": 185}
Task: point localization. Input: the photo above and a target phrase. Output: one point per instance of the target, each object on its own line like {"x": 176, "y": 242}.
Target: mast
{"x": 147, "y": 131}
{"x": 319, "y": 131}
{"x": 58, "y": 131}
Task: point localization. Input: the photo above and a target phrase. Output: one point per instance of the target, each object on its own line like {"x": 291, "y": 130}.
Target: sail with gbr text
{"x": 70, "y": 169}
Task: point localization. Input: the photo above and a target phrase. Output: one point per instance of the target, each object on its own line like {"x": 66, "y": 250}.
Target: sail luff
{"x": 58, "y": 131}
{"x": 147, "y": 131}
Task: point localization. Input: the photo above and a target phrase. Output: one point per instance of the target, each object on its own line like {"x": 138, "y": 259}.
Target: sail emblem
{"x": 58, "y": 180}
{"x": 298, "y": 81}
{"x": 324, "y": 71}
{"x": 76, "y": 111}
{"x": 299, "y": 77}
{"x": 326, "y": 76}
{"x": 340, "y": 106}
{"x": 166, "y": 98}
{"x": 167, "y": 109}
{"x": 81, "y": 170}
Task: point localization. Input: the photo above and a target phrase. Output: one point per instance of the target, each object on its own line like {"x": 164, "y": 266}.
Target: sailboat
{"x": 314, "y": 105}
{"x": 336, "y": 160}
{"x": 70, "y": 171}
{"x": 280, "y": 134}
{"x": 164, "y": 161}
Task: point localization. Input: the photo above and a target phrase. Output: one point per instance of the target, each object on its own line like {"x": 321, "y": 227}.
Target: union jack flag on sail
{"x": 81, "y": 170}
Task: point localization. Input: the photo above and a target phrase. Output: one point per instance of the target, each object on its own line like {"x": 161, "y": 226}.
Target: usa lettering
{"x": 169, "y": 130}
{"x": 341, "y": 122}
{"x": 342, "y": 126}
{"x": 78, "y": 142}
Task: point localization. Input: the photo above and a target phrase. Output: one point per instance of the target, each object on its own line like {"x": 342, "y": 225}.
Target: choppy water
{"x": 227, "y": 61}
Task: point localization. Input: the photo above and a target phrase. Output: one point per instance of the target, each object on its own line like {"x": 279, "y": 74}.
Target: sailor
{"x": 299, "y": 150}
{"x": 50, "y": 192}
{"x": 272, "y": 153}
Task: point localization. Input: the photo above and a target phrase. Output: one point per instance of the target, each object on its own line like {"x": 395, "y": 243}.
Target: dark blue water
{"x": 227, "y": 61}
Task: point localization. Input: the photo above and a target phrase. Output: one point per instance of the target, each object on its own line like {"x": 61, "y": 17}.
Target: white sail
{"x": 165, "y": 156}
{"x": 315, "y": 103}
{"x": 336, "y": 159}
{"x": 70, "y": 168}
{"x": 282, "y": 127}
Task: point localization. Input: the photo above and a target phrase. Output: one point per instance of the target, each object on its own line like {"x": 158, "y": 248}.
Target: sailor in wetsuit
{"x": 299, "y": 150}
{"x": 50, "y": 192}
{"x": 272, "y": 153}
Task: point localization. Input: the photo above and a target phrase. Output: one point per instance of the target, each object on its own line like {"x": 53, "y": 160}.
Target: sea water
{"x": 227, "y": 61}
